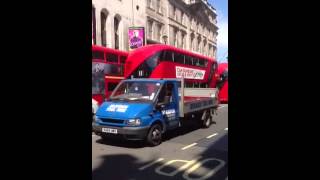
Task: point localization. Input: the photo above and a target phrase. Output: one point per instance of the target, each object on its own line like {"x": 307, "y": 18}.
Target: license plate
{"x": 109, "y": 130}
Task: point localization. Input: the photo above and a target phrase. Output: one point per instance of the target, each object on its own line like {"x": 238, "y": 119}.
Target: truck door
{"x": 168, "y": 104}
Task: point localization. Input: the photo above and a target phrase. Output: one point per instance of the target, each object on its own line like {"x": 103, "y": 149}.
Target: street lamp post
{"x": 165, "y": 38}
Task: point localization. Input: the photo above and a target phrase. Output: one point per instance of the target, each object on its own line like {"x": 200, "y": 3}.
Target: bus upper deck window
{"x": 201, "y": 62}
{"x": 123, "y": 59}
{"x": 179, "y": 58}
{"x": 168, "y": 56}
{"x": 112, "y": 58}
{"x": 195, "y": 62}
{"x": 188, "y": 60}
{"x": 205, "y": 63}
{"x": 98, "y": 55}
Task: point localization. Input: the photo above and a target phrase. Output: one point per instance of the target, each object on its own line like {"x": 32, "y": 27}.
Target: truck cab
{"x": 143, "y": 109}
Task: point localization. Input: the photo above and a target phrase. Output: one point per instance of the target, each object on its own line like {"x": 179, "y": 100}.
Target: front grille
{"x": 116, "y": 121}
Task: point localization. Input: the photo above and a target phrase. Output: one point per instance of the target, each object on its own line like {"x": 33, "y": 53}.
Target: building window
{"x": 210, "y": 50}
{"x": 159, "y": 30}
{"x": 103, "y": 17}
{"x": 93, "y": 25}
{"x": 198, "y": 27}
{"x": 205, "y": 48}
{"x": 192, "y": 41}
{"x": 171, "y": 11}
{"x": 178, "y": 15}
{"x": 175, "y": 37}
{"x": 199, "y": 44}
{"x": 185, "y": 20}
{"x": 159, "y": 6}
{"x": 116, "y": 32}
{"x": 183, "y": 40}
{"x": 149, "y": 3}
{"x": 182, "y": 18}
{"x": 150, "y": 29}
{"x": 214, "y": 51}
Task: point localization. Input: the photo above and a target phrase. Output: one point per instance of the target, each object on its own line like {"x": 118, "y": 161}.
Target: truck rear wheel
{"x": 207, "y": 121}
{"x": 154, "y": 137}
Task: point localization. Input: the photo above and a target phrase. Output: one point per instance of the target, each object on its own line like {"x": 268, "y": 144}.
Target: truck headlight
{"x": 96, "y": 119}
{"x": 134, "y": 122}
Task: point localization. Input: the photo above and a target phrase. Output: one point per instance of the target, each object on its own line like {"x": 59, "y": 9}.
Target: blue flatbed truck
{"x": 144, "y": 109}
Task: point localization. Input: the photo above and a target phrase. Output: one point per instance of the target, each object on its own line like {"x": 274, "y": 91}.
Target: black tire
{"x": 104, "y": 137}
{"x": 154, "y": 136}
{"x": 207, "y": 121}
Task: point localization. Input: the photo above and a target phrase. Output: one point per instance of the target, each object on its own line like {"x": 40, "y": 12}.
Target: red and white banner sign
{"x": 189, "y": 73}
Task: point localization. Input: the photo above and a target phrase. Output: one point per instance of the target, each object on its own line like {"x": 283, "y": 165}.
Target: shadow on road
{"x": 115, "y": 167}
{"x": 126, "y": 167}
{"x": 219, "y": 151}
{"x": 122, "y": 143}
{"x": 185, "y": 129}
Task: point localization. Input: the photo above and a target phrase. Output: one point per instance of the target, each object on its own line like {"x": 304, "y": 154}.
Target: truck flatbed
{"x": 197, "y": 99}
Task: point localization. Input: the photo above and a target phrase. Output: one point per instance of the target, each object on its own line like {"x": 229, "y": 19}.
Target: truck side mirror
{"x": 159, "y": 106}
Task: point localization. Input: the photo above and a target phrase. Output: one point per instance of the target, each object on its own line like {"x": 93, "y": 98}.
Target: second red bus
{"x": 223, "y": 82}
{"x": 107, "y": 71}
{"x": 163, "y": 61}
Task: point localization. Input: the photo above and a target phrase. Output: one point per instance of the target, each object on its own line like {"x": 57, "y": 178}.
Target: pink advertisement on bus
{"x": 136, "y": 37}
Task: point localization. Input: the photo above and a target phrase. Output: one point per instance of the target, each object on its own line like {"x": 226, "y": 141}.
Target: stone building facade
{"x": 186, "y": 24}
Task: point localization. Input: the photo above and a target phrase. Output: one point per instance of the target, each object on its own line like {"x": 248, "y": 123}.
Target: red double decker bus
{"x": 163, "y": 61}
{"x": 223, "y": 82}
{"x": 107, "y": 71}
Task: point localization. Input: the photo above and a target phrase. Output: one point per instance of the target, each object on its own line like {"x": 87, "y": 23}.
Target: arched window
{"x": 199, "y": 44}
{"x": 175, "y": 32}
{"x": 150, "y": 29}
{"x": 116, "y": 21}
{"x": 159, "y": 31}
{"x": 103, "y": 18}
{"x": 93, "y": 25}
{"x": 192, "y": 42}
{"x": 159, "y": 9}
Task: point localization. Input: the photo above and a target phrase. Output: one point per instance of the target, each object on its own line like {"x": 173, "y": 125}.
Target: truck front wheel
{"x": 154, "y": 137}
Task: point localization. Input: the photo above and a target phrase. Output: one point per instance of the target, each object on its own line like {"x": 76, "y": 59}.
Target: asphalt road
{"x": 188, "y": 153}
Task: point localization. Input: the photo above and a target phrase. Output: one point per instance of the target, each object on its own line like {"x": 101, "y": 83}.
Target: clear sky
{"x": 222, "y": 10}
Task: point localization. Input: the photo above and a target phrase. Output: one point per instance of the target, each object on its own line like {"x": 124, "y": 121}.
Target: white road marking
{"x": 186, "y": 147}
{"x": 150, "y": 164}
{"x": 221, "y": 107}
{"x": 176, "y": 171}
{"x": 226, "y": 129}
{"x": 199, "y": 164}
{"x": 212, "y": 135}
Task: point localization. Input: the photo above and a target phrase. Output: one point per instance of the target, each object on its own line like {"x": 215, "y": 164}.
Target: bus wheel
{"x": 154, "y": 137}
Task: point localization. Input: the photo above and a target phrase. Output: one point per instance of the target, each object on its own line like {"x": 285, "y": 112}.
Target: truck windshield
{"x": 144, "y": 91}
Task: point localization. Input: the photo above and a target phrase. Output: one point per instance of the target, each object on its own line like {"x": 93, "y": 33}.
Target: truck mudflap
{"x": 129, "y": 133}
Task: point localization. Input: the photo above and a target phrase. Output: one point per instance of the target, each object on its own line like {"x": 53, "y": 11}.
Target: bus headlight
{"x": 133, "y": 122}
